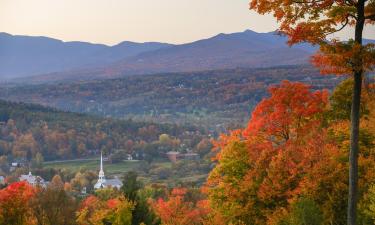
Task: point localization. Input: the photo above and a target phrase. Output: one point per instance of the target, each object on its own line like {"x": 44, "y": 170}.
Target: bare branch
{"x": 370, "y": 17}
{"x": 342, "y": 26}
{"x": 307, "y": 2}
{"x": 353, "y": 16}
{"x": 350, "y": 2}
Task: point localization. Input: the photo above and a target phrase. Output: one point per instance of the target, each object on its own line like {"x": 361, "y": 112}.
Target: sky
{"x": 112, "y": 21}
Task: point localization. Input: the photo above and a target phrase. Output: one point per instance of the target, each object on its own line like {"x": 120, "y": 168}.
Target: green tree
{"x": 132, "y": 190}
{"x": 305, "y": 212}
{"x": 131, "y": 185}
{"x": 37, "y": 161}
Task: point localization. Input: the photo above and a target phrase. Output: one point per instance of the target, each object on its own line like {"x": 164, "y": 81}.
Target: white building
{"x": 105, "y": 183}
{"x": 33, "y": 180}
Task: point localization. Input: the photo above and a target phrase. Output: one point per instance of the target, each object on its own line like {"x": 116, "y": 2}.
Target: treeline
{"x": 28, "y": 131}
{"x": 133, "y": 204}
{"x": 21, "y": 203}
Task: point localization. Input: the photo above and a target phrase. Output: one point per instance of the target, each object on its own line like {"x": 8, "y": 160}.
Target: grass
{"x": 93, "y": 164}
{"x": 121, "y": 168}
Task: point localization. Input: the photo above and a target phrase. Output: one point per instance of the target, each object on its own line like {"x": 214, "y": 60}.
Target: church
{"x": 106, "y": 183}
{"x": 33, "y": 180}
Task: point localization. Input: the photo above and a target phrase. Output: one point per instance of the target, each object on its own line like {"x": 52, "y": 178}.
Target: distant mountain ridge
{"x": 223, "y": 51}
{"x": 22, "y": 56}
{"x": 84, "y": 61}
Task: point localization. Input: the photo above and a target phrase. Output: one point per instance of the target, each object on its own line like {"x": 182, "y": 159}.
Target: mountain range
{"x": 22, "y": 56}
{"x": 45, "y": 59}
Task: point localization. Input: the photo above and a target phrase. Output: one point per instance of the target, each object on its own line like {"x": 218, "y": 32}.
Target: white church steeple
{"x": 101, "y": 172}
{"x": 101, "y": 181}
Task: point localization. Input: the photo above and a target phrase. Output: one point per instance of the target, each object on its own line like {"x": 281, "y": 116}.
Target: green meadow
{"x": 93, "y": 164}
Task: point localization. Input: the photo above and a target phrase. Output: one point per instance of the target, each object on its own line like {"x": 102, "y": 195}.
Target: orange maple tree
{"x": 313, "y": 21}
{"x": 289, "y": 113}
{"x": 289, "y": 153}
{"x": 177, "y": 211}
{"x": 261, "y": 169}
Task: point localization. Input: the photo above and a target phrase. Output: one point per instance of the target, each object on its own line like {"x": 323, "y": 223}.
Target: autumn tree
{"x": 312, "y": 21}
{"x": 177, "y": 211}
{"x": 281, "y": 154}
{"x": 56, "y": 183}
{"x": 14, "y": 204}
{"x": 289, "y": 164}
{"x": 53, "y": 206}
{"x": 95, "y": 211}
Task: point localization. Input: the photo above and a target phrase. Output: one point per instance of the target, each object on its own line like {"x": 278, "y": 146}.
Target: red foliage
{"x": 276, "y": 158}
{"x": 177, "y": 211}
{"x": 113, "y": 203}
{"x": 14, "y": 203}
{"x": 290, "y": 112}
{"x": 89, "y": 202}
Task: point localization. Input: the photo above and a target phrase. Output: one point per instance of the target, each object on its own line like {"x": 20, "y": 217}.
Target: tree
{"x": 224, "y": 181}
{"x": 305, "y": 212}
{"x": 131, "y": 190}
{"x": 37, "y": 161}
{"x": 56, "y": 183}
{"x": 285, "y": 152}
{"x": 131, "y": 185}
{"x": 53, "y": 206}
{"x": 115, "y": 211}
{"x": 289, "y": 114}
{"x": 312, "y": 21}
{"x": 203, "y": 147}
{"x": 177, "y": 211}
{"x": 14, "y": 204}
{"x": 120, "y": 211}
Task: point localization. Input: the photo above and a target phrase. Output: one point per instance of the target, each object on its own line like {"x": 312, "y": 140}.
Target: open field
{"x": 93, "y": 164}
{"x": 118, "y": 169}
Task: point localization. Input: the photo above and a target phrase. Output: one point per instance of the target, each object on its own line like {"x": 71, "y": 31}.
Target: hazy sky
{"x": 113, "y": 21}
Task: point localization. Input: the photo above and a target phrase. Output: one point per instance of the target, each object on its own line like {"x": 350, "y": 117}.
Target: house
{"x": 129, "y": 157}
{"x": 173, "y": 156}
{"x": 15, "y": 165}
{"x": 33, "y": 180}
{"x": 106, "y": 183}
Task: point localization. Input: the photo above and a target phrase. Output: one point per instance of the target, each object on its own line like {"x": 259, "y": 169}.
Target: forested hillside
{"x": 216, "y": 99}
{"x": 287, "y": 166}
{"x": 27, "y": 131}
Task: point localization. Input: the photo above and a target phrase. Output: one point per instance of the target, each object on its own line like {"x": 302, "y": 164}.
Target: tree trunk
{"x": 355, "y": 119}
{"x": 354, "y": 148}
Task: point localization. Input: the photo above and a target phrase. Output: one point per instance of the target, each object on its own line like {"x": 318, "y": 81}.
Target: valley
{"x": 216, "y": 99}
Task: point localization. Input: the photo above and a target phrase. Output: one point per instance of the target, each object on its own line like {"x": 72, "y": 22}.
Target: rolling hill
{"x": 216, "y": 99}
{"x": 26, "y": 129}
